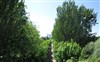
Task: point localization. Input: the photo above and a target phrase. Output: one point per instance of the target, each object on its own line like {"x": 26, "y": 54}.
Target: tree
{"x": 73, "y": 22}
{"x": 18, "y": 37}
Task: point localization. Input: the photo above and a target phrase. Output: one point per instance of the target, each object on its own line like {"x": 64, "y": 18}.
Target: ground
{"x": 50, "y": 53}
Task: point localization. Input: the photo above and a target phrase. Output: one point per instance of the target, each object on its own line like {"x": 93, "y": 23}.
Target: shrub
{"x": 42, "y": 51}
{"x": 65, "y": 50}
{"x": 87, "y": 50}
{"x": 71, "y": 60}
{"x": 95, "y": 57}
{"x": 97, "y": 48}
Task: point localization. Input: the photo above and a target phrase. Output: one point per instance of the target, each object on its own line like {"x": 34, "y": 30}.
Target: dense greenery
{"x": 12, "y": 20}
{"x": 41, "y": 51}
{"x": 72, "y": 52}
{"x": 92, "y": 52}
{"x": 65, "y": 50}
{"x": 87, "y": 50}
{"x": 18, "y": 37}
{"x": 20, "y": 40}
{"x": 74, "y": 22}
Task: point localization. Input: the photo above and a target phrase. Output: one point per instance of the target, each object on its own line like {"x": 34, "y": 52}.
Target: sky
{"x": 42, "y": 13}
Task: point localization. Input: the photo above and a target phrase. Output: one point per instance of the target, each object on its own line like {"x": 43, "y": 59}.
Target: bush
{"x": 97, "y": 48}
{"x": 71, "y": 60}
{"x": 87, "y": 50}
{"x": 42, "y": 51}
{"x": 65, "y": 50}
{"x": 91, "y": 52}
{"x": 95, "y": 57}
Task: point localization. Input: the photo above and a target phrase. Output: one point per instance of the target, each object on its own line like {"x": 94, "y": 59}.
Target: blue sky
{"x": 43, "y": 13}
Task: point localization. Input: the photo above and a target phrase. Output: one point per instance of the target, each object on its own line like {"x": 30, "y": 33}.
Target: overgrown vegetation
{"x": 75, "y": 23}
{"x": 92, "y": 54}
{"x": 66, "y": 50}
{"x": 20, "y": 40}
{"x": 41, "y": 51}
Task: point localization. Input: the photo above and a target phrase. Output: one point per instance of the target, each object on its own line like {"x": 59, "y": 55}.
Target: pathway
{"x": 50, "y": 53}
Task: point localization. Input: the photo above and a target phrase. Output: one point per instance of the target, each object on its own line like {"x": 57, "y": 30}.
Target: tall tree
{"x": 17, "y": 35}
{"x": 73, "y": 22}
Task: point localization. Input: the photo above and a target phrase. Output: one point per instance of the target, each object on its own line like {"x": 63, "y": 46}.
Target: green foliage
{"x": 87, "y": 50}
{"x": 97, "y": 48}
{"x": 95, "y": 57}
{"x": 74, "y": 22}
{"x": 65, "y": 50}
{"x": 92, "y": 51}
{"x": 41, "y": 51}
{"x": 20, "y": 42}
{"x": 71, "y": 60}
{"x": 18, "y": 37}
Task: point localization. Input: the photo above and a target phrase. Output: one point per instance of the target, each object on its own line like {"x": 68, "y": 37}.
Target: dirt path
{"x": 50, "y": 53}
{"x": 53, "y": 59}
